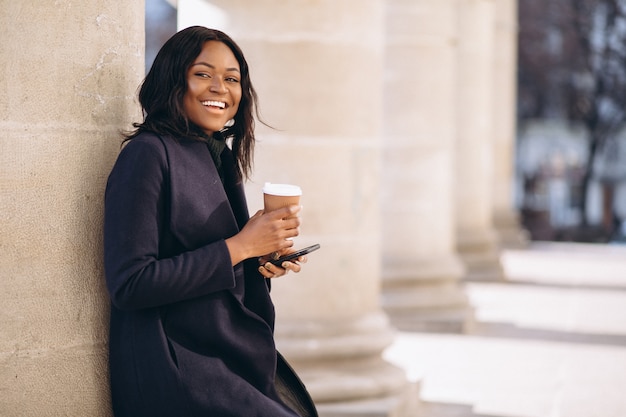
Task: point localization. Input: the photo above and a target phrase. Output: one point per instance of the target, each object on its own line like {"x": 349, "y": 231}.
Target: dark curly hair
{"x": 162, "y": 92}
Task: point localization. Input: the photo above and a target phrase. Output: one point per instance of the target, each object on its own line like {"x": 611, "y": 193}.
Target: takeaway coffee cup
{"x": 276, "y": 196}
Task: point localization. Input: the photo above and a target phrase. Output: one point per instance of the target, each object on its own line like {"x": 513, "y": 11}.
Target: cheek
{"x": 190, "y": 95}
{"x": 186, "y": 106}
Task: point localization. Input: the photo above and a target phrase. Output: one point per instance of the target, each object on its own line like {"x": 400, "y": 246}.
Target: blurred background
{"x": 463, "y": 165}
{"x": 571, "y": 109}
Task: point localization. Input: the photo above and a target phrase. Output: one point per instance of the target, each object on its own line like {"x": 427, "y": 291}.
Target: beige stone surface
{"x": 69, "y": 74}
{"x": 505, "y": 216}
{"x": 421, "y": 270}
{"x": 505, "y": 64}
{"x": 476, "y": 237}
{"x": 474, "y": 113}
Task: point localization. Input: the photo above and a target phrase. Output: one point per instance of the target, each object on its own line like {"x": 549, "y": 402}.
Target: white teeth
{"x": 214, "y": 103}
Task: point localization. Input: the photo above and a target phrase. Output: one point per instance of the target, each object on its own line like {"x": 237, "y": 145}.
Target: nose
{"x": 217, "y": 86}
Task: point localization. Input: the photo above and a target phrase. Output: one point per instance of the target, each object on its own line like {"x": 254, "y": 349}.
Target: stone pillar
{"x": 506, "y": 218}
{"x": 317, "y": 68}
{"x": 421, "y": 270}
{"x": 69, "y": 73}
{"x": 476, "y": 237}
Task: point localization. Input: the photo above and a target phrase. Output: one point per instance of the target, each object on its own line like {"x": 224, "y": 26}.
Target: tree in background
{"x": 540, "y": 70}
{"x": 596, "y": 86}
{"x": 572, "y": 66}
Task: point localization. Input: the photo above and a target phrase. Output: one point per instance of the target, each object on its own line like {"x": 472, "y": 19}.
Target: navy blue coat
{"x": 190, "y": 335}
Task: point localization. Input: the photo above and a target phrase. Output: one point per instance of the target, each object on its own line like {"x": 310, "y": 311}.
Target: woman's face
{"x": 213, "y": 87}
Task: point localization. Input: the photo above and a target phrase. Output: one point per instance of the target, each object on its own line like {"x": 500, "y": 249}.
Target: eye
{"x": 202, "y": 75}
{"x": 232, "y": 79}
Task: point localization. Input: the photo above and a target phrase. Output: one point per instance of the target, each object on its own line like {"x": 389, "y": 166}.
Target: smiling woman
{"x": 213, "y": 88}
{"x": 187, "y": 268}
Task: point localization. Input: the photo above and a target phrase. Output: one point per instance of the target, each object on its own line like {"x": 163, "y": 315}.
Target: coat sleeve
{"x": 134, "y": 218}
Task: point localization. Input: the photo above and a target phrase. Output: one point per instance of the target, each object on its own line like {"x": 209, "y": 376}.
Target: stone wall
{"x": 69, "y": 72}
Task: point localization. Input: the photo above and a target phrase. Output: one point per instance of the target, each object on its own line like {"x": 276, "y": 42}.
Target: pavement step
{"x": 548, "y": 342}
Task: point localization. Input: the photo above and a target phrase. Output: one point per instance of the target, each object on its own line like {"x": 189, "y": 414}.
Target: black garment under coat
{"x": 190, "y": 335}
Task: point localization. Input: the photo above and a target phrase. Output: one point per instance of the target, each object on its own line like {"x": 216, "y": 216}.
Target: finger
{"x": 291, "y": 223}
{"x": 291, "y": 266}
{"x": 288, "y": 235}
{"x": 285, "y": 244}
{"x": 284, "y": 212}
{"x": 265, "y": 272}
{"x": 293, "y": 210}
{"x": 275, "y": 270}
{"x": 288, "y": 230}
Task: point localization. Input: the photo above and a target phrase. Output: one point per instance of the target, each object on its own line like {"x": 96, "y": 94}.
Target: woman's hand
{"x": 269, "y": 270}
{"x": 265, "y": 233}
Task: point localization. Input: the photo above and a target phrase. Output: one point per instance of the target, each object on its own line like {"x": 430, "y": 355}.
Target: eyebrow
{"x": 212, "y": 66}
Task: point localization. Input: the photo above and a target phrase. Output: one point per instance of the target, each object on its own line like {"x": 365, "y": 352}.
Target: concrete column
{"x": 421, "y": 270}
{"x": 317, "y": 67}
{"x": 69, "y": 73}
{"x": 506, "y": 218}
{"x": 476, "y": 237}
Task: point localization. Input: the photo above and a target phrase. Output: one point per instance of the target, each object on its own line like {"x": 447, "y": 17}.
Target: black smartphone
{"x": 295, "y": 255}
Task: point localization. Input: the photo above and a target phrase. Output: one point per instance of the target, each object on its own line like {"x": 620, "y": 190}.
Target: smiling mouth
{"x": 214, "y": 104}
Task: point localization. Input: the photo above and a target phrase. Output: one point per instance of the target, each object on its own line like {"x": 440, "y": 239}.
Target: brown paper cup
{"x": 276, "y": 196}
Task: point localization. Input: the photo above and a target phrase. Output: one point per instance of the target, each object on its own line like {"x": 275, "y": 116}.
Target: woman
{"x": 191, "y": 330}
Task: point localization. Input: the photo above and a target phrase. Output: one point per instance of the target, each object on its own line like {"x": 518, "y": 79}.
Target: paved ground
{"x": 550, "y": 342}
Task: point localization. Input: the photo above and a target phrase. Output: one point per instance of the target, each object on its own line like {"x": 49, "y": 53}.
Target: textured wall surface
{"x": 68, "y": 76}
{"x": 421, "y": 269}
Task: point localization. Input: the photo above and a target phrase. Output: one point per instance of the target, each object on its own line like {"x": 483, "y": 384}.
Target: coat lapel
{"x": 234, "y": 188}
{"x": 200, "y": 212}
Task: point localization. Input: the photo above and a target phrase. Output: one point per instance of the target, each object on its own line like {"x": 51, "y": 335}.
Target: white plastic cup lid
{"x": 281, "y": 189}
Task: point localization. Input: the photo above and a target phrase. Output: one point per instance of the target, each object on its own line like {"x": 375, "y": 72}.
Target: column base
{"x": 449, "y": 320}
{"x": 511, "y": 235}
{"x": 479, "y": 251}
{"x": 406, "y": 403}
{"x": 342, "y": 361}
{"x": 426, "y": 295}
